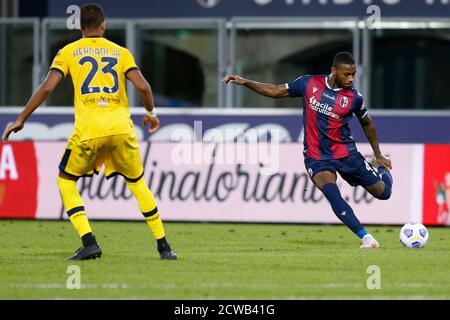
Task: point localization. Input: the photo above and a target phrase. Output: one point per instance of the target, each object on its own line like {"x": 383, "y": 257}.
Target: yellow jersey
{"x": 98, "y": 68}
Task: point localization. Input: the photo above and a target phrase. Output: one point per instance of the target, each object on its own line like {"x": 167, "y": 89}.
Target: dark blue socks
{"x": 342, "y": 210}
{"x": 387, "y": 179}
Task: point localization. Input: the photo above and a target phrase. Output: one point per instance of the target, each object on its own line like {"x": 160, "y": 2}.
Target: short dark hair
{"x": 343, "y": 58}
{"x": 92, "y": 16}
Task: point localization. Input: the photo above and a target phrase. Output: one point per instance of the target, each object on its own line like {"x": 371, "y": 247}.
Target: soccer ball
{"x": 414, "y": 235}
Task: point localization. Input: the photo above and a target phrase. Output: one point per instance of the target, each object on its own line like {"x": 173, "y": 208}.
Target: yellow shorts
{"x": 119, "y": 153}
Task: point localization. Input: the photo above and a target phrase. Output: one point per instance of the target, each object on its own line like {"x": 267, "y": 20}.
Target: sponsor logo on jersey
{"x": 329, "y": 97}
{"x": 323, "y": 108}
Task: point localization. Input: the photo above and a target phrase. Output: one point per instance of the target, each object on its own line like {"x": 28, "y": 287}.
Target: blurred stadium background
{"x": 184, "y": 48}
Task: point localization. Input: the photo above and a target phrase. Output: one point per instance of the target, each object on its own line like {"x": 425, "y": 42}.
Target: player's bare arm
{"x": 39, "y": 96}
{"x": 265, "y": 89}
{"x": 145, "y": 91}
{"x": 371, "y": 133}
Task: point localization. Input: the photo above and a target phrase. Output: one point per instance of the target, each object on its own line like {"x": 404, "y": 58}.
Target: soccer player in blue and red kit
{"x": 330, "y": 102}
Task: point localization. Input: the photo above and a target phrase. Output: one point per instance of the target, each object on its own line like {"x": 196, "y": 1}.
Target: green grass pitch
{"x": 220, "y": 261}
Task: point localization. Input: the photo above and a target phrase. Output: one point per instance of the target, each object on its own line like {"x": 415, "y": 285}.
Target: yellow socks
{"x": 74, "y": 206}
{"x": 147, "y": 205}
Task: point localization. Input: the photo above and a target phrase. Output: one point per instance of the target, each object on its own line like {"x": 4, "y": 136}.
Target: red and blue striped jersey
{"x": 326, "y": 115}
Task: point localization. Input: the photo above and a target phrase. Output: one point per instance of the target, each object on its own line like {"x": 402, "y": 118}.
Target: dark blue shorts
{"x": 354, "y": 169}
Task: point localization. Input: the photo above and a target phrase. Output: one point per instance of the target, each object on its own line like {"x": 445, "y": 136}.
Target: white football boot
{"x": 369, "y": 242}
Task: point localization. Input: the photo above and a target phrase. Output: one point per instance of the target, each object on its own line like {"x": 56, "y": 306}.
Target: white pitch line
{"x": 256, "y": 286}
{"x": 64, "y": 286}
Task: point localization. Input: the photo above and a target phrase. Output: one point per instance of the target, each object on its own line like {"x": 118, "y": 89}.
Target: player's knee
{"x": 64, "y": 183}
{"x": 386, "y": 194}
{"x": 136, "y": 185}
{"x": 140, "y": 188}
{"x": 59, "y": 182}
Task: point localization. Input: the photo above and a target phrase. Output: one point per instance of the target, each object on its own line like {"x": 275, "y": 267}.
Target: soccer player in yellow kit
{"x": 103, "y": 132}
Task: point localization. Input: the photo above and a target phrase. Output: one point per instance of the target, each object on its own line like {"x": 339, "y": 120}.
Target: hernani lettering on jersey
{"x": 323, "y": 108}
{"x": 96, "y": 51}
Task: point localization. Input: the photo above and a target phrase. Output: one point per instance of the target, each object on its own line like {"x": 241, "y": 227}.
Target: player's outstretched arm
{"x": 371, "y": 133}
{"x": 145, "y": 91}
{"x": 39, "y": 96}
{"x": 265, "y": 89}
